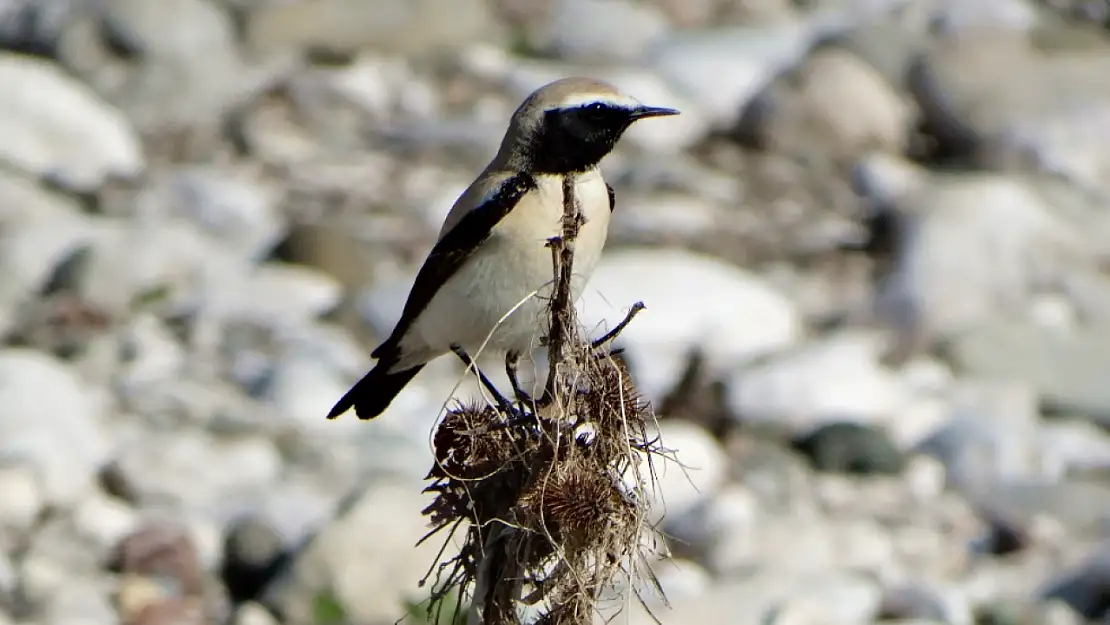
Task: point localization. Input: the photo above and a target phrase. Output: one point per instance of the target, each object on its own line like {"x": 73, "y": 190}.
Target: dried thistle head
{"x": 569, "y": 505}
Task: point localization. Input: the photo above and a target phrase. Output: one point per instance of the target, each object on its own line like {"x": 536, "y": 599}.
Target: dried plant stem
{"x": 541, "y": 488}
{"x": 562, "y": 315}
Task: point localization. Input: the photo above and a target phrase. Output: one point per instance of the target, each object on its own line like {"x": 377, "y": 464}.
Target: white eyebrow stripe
{"x": 618, "y": 100}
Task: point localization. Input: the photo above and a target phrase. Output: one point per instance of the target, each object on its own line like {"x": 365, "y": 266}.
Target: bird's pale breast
{"x": 513, "y": 270}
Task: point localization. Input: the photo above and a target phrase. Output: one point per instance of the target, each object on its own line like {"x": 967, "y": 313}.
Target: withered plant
{"x": 548, "y": 491}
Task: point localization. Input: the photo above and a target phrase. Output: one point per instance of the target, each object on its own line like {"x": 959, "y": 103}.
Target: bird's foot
{"x": 512, "y": 360}
{"x": 502, "y": 401}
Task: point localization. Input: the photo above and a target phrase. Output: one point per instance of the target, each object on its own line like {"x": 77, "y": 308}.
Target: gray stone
{"x": 990, "y": 436}
{"x": 834, "y": 105}
{"x": 65, "y": 133}
{"x": 1067, "y": 369}
{"x": 845, "y": 447}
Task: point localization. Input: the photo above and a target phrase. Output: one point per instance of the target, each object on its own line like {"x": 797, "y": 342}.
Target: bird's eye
{"x": 595, "y": 111}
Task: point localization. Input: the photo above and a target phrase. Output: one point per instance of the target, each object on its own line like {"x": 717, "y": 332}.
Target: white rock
{"x": 21, "y": 504}
{"x": 293, "y": 290}
{"x": 582, "y": 30}
{"x": 366, "y": 558}
{"x": 104, "y": 520}
{"x": 54, "y": 126}
{"x": 721, "y": 70}
{"x": 837, "y": 378}
{"x": 1067, "y": 447}
{"x": 250, "y": 613}
{"x": 234, "y": 209}
{"x": 200, "y": 472}
{"x": 692, "y": 302}
{"x": 50, "y": 420}
{"x": 837, "y": 600}
{"x": 699, "y": 467}
{"x": 150, "y": 351}
{"x": 38, "y": 230}
{"x": 81, "y": 603}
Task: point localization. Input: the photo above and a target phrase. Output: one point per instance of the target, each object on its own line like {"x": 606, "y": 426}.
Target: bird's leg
{"x": 612, "y": 334}
{"x": 505, "y": 404}
{"x": 512, "y": 361}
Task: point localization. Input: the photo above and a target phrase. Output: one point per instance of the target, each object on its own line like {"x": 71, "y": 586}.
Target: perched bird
{"x": 491, "y": 257}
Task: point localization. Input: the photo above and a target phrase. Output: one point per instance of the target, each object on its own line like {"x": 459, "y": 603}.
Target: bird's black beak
{"x": 644, "y": 112}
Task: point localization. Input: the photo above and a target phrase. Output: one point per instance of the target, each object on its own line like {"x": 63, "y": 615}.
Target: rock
{"x": 149, "y": 352}
{"x": 189, "y": 70}
{"x": 235, "y": 209}
{"x": 129, "y": 261}
{"x": 718, "y": 531}
{"x": 1085, "y": 587}
{"x": 1074, "y": 448}
{"x": 20, "y": 508}
{"x": 1065, "y": 368}
{"x": 254, "y": 553}
{"x": 722, "y": 69}
{"x": 346, "y": 26}
{"x": 693, "y": 302}
{"x": 65, "y": 133}
{"x": 281, "y": 290}
{"x": 917, "y": 602}
{"x": 52, "y": 422}
{"x": 33, "y": 26}
{"x": 104, "y": 521}
{"x": 81, "y": 602}
{"x": 970, "y": 248}
{"x": 847, "y": 447}
{"x": 199, "y": 472}
{"x": 953, "y": 16}
{"x": 991, "y": 436}
{"x": 698, "y": 469}
{"x": 834, "y": 105}
{"x": 581, "y": 30}
{"x": 1078, "y": 506}
{"x": 848, "y": 600}
{"x": 365, "y": 560}
{"x": 251, "y": 613}
{"x": 1005, "y": 121}
{"x": 834, "y": 379}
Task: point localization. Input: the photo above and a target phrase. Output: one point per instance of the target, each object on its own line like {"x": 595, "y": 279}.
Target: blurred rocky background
{"x": 874, "y": 251}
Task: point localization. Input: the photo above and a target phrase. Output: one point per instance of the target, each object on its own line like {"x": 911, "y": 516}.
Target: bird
{"x": 482, "y": 285}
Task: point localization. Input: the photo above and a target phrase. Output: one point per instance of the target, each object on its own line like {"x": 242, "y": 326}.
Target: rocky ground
{"x": 874, "y": 251}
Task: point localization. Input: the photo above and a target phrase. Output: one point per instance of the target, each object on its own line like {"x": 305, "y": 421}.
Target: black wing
{"x": 612, "y": 197}
{"x": 451, "y": 251}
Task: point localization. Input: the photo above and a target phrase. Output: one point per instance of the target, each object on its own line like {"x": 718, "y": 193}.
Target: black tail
{"x": 371, "y": 395}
